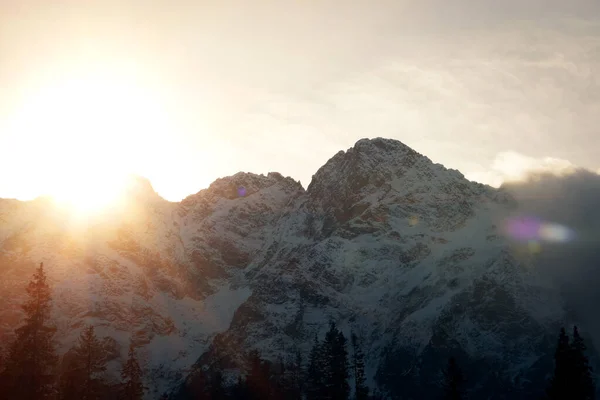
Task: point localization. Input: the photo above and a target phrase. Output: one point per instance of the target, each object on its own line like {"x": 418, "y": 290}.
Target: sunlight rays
{"x": 85, "y": 135}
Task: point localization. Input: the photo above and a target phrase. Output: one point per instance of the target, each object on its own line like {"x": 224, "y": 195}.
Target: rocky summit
{"x": 408, "y": 255}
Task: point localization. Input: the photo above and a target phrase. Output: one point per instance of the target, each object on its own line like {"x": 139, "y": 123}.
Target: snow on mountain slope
{"x": 158, "y": 272}
{"x": 395, "y": 248}
{"x": 408, "y": 255}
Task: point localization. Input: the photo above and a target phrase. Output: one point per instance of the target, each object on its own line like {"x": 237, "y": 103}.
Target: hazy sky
{"x": 189, "y": 91}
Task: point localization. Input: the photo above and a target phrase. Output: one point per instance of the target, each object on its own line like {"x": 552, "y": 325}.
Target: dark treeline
{"x": 330, "y": 370}
{"x": 332, "y": 366}
{"x": 572, "y": 377}
{"x": 30, "y": 368}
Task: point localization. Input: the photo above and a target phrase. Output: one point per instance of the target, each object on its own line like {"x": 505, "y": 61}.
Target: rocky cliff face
{"x": 403, "y": 252}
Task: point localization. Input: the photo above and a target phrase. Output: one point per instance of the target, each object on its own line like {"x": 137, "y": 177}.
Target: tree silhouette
{"x": 215, "y": 389}
{"x": 335, "y": 365}
{"x": 278, "y": 381}
{"x": 361, "y": 391}
{"x": 582, "y": 385}
{"x": 29, "y": 369}
{"x": 314, "y": 372}
{"x": 562, "y": 378}
{"x": 239, "y": 390}
{"x": 258, "y": 379}
{"x": 453, "y": 381}
{"x": 81, "y": 377}
{"x": 293, "y": 378}
{"x": 132, "y": 387}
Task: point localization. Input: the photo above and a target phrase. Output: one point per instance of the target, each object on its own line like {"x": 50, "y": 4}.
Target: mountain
{"x": 407, "y": 254}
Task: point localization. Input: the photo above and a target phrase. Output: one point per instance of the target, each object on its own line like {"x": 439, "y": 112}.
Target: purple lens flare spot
{"x": 523, "y": 228}
{"x": 529, "y": 229}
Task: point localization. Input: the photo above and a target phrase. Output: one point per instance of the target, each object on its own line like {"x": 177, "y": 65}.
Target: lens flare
{"x": 524, "y": 228}
{"x": 534, "y": 247}
{"x": 535, "y": 230}
{"x": 242, "y": 191}
{"x": 555, "y": 233}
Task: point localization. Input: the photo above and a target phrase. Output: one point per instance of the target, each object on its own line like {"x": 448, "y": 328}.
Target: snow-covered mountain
{"x": 404, "y": 252}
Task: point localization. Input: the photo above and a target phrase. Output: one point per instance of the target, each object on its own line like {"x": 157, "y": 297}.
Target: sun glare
{"x": 84, "y": 136}
{"x": 89, "y": 193}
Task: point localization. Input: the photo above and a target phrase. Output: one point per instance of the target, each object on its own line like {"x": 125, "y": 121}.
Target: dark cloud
{"x": 573, "y": 201}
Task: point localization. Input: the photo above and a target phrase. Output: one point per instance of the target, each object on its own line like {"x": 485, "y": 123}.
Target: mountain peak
{"x": 368, "y": 161}
{"x": 243, "y": 184}
{"x": 138, "y": 187}
{"x": 380, "y": 144}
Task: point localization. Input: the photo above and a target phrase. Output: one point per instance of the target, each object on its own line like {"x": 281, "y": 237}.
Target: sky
{"x": 185, "y": 92}
{"x": 570, "y": 200}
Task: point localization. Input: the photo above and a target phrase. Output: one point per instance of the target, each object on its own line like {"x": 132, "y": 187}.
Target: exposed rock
{"x": 401, "y": 251}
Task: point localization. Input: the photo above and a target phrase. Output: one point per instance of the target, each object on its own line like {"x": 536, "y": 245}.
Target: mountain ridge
{"x": 406, "y": 253}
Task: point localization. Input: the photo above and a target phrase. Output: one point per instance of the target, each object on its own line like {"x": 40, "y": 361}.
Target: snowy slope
{"x": 394, "y": 247}
{"x": 158, "y": 272}
{"x": 408, "y": 255}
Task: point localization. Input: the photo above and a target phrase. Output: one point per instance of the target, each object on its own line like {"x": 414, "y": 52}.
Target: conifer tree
{"x": 562, "y": 378}
{"x": 81, "y": 378}
{"x": 31, "y": 359}
{"x": 453, "y": 381}
{"x": 582, "y": 385}
{"x": 239, "y": 390}
{"x": 314, "y": 373}
{"x": 361, "y": 391}
{"x": 69, "y": 379}
{"x": 293, "y": 379}
{"x": 132, "y": 387}
{"x": 335, "y": 365}
{"x": 278, "y": 380}
{"x": 198, "y": 385}
{"x": 216, "y": 389}
{"x": 258, "y": 383}
{"x": 342, "y": 370}
{"x": 298, "y": 373}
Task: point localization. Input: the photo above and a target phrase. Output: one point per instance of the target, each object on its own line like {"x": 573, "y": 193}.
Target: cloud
{"x": 510, "y": 166}
{"x": 571, "y": 201}
{"x": 285, "y": 85}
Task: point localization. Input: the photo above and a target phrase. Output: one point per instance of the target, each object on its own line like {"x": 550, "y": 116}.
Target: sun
{"x": 89, "y": 192}
{"x": 83, "y": 136}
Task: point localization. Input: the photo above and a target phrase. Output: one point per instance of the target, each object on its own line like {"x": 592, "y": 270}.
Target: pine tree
{"x": 239, "y": 390}
{"x": 361, "y": 391}
{"x": 335, "y": 364}
{"x": 132, "y": 387}
{"x": 293, "y": 378}
{"x": 81, "y": 378}
{"x": 258, "y": 383}
{"x": 342, "y": 370}
{"x": 216, "y": 390}
{"x": 561, "y": 380}
{"x": 298, "y": 374}
{"x": 453, "y": 381}
{"x": 197, "y": 386}
{"x": 70, "y": 378}
{"x": 314, "y": 373}
{"x": 29, "y": 369}
{"x": 278, "y": 380}
{"x": 582, "y": 385}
